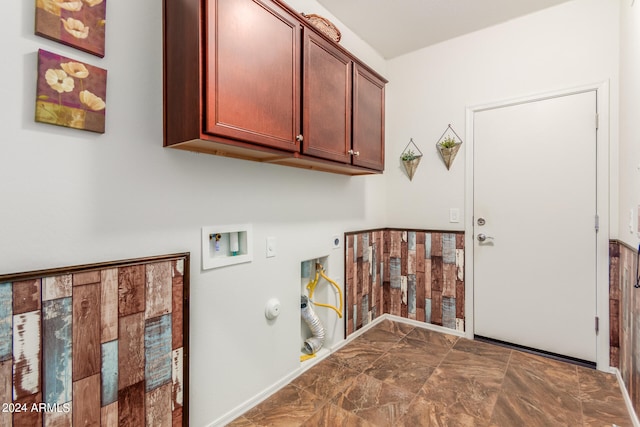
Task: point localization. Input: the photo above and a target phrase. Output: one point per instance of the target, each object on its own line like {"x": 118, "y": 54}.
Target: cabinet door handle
{"x": 299, "y": 138}
{"x": 354, "y": 153}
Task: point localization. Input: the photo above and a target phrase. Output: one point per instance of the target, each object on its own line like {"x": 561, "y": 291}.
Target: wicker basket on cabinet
{"x": 325, "y": 26}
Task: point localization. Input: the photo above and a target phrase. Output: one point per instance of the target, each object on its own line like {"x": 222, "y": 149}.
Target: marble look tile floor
{"x": 397, "y": 375}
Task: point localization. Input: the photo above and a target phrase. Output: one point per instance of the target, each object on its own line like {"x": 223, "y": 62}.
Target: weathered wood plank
{"x": 396, "y": 244}
{"x": 26, "y": 296}
{"x": 109, "y": 415}
{"x": 427, "y": 278}
{"x": 386, "y": 297}
{"x": 373, "y": 268}
{"x": 420, "y": 296}
{"x": 449, "y": 248}
{"x": 436, "y": 244}
{"x": 411, "y": 240}
{"x": 26, "y": 354}
{"x": 86, "y": 401}
{"x": 157, "y": 351}
{"x": 130, "y": 350}
{"x": 176, "y": 417}
{"x": 411, "y": 296}
{"x": 131, "y": 290}
{"x": 404, "y": 258}
{"x": 460, "y": 264}
{"x": 449, "y": 275}
{"x": 158, "y": 289}
{"x": 60, "y": 417}
{"x": 412, "y": 266}
{"x": 6, "y": 321}
{"x": 436, "y": 308}
{"x": 359, "y": 280}
{"x": 420, "y": 256}
{"x": 427, "y": 246}
{"x": 178, "y": 267}
{"x": 396, "y": 302}
{"x": 109, "y": 302}
{"x": 427, "y": 310}
{"x": 158, "y": 407}
{"x": 460, "y": 299}
{"x": 365, "y": 247}
{"x": 374, "y": 262}
{"x": 86, "y": 331}
{"x": 28, "y": 418}
{"x": 86, "y": 278}
{"x": 109, "y": 373}
{"x": 614, "y": 315}
{"x": 56, "y": 352}
{"x": 365, "y": 314}
{"x": 177, "y": 312}
{"x": 449, "y": 312}
{"x": 437, "y": 273}
{"x": 6, "y": 392}
{"x": 177, "y": 378}
{"x": 459, "y": 240}
{"x": 131, "y": 406}
{"x": 54, "y": 287}
{"x": 395, "y": 276}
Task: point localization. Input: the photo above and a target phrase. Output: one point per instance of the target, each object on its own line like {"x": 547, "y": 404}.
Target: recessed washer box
{"x": 226, "y": 245}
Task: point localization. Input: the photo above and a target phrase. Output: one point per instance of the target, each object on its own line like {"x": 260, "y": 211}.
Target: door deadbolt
{"x": 481, "y": 221}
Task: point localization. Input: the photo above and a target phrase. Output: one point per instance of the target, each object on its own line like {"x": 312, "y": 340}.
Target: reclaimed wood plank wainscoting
{"x": 415, "y": 274}
{"x": 101, "y": 344}
{"x": 624, "y": 317}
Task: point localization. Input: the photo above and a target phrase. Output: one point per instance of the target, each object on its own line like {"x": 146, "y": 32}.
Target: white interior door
{"x": 535, "y": 188}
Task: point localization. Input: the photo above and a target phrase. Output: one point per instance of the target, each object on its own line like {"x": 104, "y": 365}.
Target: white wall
{"x": 566, "y": 46}
{"x": 629, "y": 159}
{"x": 72, "y": 197}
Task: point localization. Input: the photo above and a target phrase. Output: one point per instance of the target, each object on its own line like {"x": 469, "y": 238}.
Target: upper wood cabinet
{"x": 327, "y": 100}
{"x": 252, "y": 63}
{"x": 368, "y": 119}
{"x": 251, "y": 79}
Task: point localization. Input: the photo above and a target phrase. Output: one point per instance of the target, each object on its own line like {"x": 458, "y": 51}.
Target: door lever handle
{"x": 483, "y": 237}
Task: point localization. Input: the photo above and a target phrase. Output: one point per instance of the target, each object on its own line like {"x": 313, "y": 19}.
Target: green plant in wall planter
{"x": 411, "y": 159}
{"x": 448, "y": 146}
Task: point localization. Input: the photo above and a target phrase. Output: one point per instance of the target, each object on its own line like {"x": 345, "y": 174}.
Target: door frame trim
{"x": 602, "y": 207}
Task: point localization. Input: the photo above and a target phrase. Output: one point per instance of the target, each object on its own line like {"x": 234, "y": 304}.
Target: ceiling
{"x": 396, "y": 27}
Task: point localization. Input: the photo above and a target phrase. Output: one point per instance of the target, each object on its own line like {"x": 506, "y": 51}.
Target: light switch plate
{"x": 454, "y": 215}
{"x": 271, "y": 247}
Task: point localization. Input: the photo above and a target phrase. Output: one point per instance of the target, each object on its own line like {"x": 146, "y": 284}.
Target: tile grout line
{"x": 580, "y": 396}
{"x": 504, "y": 375}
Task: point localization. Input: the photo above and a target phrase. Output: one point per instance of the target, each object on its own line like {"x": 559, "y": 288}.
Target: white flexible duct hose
{"x": 313, "y": 344}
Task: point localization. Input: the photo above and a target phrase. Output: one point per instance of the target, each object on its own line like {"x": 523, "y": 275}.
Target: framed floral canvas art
{"x": 70, "y": 93}
{"x": 76, "y": 23}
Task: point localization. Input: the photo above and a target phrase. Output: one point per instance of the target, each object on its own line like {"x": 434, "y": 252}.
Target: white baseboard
{"x": 278, "y": 385}
{"x": 323, "y": 354}
{"x": 244, "y": 407}
{"x": 627, "y": 398}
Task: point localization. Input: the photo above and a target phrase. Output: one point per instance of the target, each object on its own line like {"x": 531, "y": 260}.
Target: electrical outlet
{"x": 336, "y": 242}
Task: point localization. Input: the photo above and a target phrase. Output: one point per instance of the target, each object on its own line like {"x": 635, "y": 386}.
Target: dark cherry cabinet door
{"x": 252, "y": 73}
{"x": 368, "y": 119}
{"x": 326, "y": 125}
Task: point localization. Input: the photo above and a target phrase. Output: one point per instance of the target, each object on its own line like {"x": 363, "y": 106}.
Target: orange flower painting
{"x": 70, "y": 93}
{"x": 76, "y": 23}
